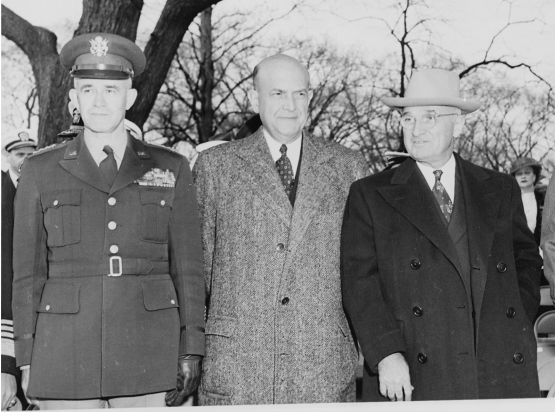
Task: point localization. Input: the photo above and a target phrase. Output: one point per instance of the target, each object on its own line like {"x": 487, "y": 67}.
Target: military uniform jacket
{"x": 276, "y": 330}
{"x": 404, "y": 291}
{"x": 85, "y": 333}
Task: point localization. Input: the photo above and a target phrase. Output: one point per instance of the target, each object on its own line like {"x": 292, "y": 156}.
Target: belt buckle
{"x": 118, "y": 258}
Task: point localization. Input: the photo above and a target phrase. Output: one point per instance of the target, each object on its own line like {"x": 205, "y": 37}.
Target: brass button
{"x": 162, "y": 202}
{"x": 501, "y": 267}
{"x": 112, "y": 225}
{"x": 112, "y": 201}
{"x": 47, "y": 307}
{"x": 417, "y": 310}
{"x": 280, "y": 247}
{"x": 172, "y": 302}
{"x": 114, "y": 249}
{"x": 415, "y": 264}
{"x": 422, "y": 358}
{"x": 55, "y": 203}
{"x": 285, "y": 301}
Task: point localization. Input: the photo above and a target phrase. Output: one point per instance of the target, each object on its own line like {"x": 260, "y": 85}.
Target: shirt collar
{"x": 447, "y": 177}
{"x": 13, "y": 177}
{"x": 293, "y": 149}
{"x": 117, "y": 143}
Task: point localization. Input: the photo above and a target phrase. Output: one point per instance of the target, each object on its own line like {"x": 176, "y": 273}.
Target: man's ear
{"x": 253, "y": 99}
{"x": 459, "y": 124}
{"x": 131, "y": 97}
{"x": 74, "y": 100}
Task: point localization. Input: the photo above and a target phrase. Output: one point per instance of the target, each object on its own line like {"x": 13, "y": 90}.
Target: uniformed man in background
{"x": 108, "y": 293}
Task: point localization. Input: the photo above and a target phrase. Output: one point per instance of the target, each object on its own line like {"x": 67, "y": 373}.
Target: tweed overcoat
{"x": 404, "y": 292}
{"x": 276, "y": 331}
{"x": 84, "y": 333}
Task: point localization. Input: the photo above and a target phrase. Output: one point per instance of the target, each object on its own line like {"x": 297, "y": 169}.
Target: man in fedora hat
{"x": 108, "y": 287}
{"x": 440, "y": 272}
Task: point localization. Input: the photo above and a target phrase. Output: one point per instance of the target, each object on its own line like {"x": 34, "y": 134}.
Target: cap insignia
{"x": 23, "y": 136}
{"x": 99, "y": 46}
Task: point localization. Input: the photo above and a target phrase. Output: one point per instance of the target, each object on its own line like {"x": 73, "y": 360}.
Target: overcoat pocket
{"x": 60, "y": 297}
{"x": 159, "y": 294}
{"x": 62, "y": 216}
{"x": 156, "y": 205}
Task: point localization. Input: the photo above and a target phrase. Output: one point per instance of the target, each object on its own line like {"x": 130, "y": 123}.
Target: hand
{"x": 395, "y": 378}
{"x": 188, "y": 378}
{"x": 9, "y": 390}
{"x": 25, "y": 373}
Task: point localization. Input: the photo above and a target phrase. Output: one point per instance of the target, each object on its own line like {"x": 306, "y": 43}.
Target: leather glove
{"x": 188, "y": 378}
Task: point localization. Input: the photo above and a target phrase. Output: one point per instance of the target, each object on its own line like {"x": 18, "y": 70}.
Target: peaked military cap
{"x": 20, "y": 138}
{"x": 102, "y": 56}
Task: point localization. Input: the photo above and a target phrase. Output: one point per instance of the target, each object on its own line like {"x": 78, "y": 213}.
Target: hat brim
{"x": 537, "y": 168}
{"x": 466, "y": 106}
{"x": 18, "y": 145}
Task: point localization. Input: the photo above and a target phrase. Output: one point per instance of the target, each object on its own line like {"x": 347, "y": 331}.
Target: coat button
{"x": 415, "y": 264}
{"x": 511, "y": 312}
{"x": 280, "y": 247}
{"x": 112, "y": 225}
{"x": 285, "y": 301}
{"x": 501, "y": 267}
{"x": 417, "y": 310}
{"x": 422, "y": 358}
{"x": 162, "y": 202}
{"x": 55, "y": 203}
{"x": 112, "y": 201}
{"x": 172, "y": 302}
{"x": 114, "y": 249}
{"x": 518, "y": 358}
{"x": 47, "y": 307}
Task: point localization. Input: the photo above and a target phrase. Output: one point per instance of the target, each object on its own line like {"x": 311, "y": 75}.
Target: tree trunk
{"x": 108, "y": 16}
{"x": 207, "y": 77}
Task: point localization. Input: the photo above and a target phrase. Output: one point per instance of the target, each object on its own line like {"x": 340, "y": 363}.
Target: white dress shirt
{"x": 14, "y": 178}
{"x": 447, "y": 178}
{"x": 95, "y": 146}
{"x": 293, "y": 150}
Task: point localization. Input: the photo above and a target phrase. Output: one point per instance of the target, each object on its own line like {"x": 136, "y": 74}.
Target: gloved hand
{"x": 188, "y": 378}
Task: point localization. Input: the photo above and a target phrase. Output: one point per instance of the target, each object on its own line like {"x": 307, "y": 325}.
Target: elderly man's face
{"x": 432, "y": 145}
{"x": 282, "y": 99}
{"x": 102, "y": 103}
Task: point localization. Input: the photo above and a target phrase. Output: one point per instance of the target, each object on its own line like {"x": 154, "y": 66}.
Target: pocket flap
{"x": 60, "y": 197}
{"x": 60, "y": 297}
{"x": 159, "y": 294}
{"x": 161, "y": 196}
{"x": 344, "y": 327}
{"x": 222, "y": 326}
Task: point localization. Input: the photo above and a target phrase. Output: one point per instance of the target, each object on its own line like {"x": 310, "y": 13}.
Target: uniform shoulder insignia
{"x": 171, "y": 149}
{"x": 47, "y": 148}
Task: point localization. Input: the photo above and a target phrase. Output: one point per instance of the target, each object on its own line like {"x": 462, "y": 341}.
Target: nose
{"x": 99, "y": 99}
{"x": 289, "y": 102}
{"x": 418, "y": 129}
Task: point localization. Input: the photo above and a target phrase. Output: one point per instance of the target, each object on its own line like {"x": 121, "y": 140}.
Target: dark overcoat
{"x": 276, "y": 331}
{"x": 84, "y": 333}
{"x": 404, "y": 292}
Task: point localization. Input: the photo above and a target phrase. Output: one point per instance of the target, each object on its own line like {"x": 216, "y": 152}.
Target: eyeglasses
{"x": 428, "y": 120}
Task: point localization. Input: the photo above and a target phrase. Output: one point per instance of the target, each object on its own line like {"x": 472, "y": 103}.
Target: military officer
{"x": 108, "y": 287}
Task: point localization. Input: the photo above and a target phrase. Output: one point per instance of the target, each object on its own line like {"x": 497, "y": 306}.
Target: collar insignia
{"x": 73, "y": 153}
{"x": 99, "y": 46}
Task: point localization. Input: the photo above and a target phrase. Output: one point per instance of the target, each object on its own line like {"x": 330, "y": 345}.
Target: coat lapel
{"x": 79, "y": 162}
{"x": 482, "y": 197}
{"x": 262, "y": 172}
{"x": 313, "y": 186}
{"x": 136, "y": 162}
{"x": 410, "y": 195}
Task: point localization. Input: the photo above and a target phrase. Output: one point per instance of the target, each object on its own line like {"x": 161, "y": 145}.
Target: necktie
{"x": 442, "y": 197}
{"x": 285, "y": 170}
{"x": 109, "y": 166}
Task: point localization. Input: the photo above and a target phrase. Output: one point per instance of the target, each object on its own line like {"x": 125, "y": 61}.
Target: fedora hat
{"x": 433, "y": 87}
{"x": 522, "y": 162}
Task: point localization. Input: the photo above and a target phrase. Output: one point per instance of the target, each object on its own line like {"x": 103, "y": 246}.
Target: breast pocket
{"x": 62, "y": 216}
{"x": 156, "y": 205}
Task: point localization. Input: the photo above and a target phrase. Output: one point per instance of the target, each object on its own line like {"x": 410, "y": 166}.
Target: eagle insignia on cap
{"x": 23, "y": 136}
{"x": 99, "y": 46}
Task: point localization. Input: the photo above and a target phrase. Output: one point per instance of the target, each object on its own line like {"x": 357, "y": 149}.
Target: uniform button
{"x": 112, "y": 225}
{"x": 501, "y": 267}
{"x": 47, "y": 307}
{"x": 114, "y": 249}
{"x": 511, "y": 312}
{"x": 280, "y": 247}
{"x": 172, "y": 302}
{"x": 417, "y": 310}
{"x": 112, "y": 201}
{"x": 55, "y": 203}
{"x": 518, "y": 358}
{"x": 162, "y": 202}
{"x": 422, "y": 358}
{"x": 415, "y": 264}
{"x": 285, "y": 301}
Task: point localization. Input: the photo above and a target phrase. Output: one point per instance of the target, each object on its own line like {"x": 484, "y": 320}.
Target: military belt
{"x": 114, "y": 266}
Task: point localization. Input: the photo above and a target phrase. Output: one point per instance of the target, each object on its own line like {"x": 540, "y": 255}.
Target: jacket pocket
{"x": 156, "y": 205}
{"x": 60, "y": 297}
{"x": 62, "y": 216}
{"x": 220, "y": 326}
{"x": 159, "y": 294}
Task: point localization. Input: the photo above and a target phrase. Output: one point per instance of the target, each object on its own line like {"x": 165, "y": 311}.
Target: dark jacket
{"x": 404, "y": 291}
{"x": 84, "y": 333}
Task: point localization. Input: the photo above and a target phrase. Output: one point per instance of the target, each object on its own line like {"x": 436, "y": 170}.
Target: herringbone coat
{"x": 276, "y": 331}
